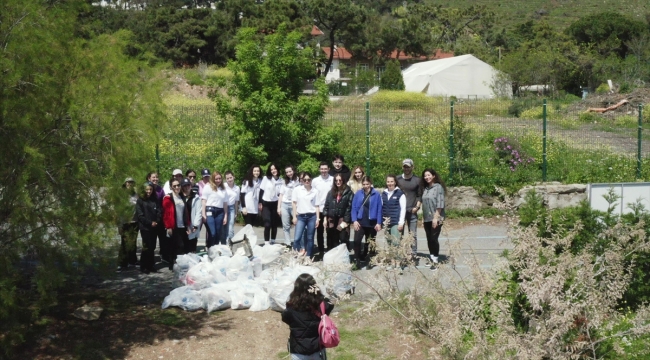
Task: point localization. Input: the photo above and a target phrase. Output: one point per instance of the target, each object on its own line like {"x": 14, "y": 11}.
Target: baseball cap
{"x": 205, "y": 172}
{"x": 177, "y": 172}
{"x": 129, "y": 179}
{"x": 186, "y": 181}
{"x": 408, "y": 162}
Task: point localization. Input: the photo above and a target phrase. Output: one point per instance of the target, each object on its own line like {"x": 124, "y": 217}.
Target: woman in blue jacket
{"x": 366, "y": 217}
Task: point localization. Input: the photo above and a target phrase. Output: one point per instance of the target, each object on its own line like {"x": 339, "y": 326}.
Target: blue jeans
{"x": 314, "y": 356}
{"x": 214, "y": 222}
{"x": 287, "y": 214}
{"x": 306, "y": 224}
{"x": 228, "y": 231}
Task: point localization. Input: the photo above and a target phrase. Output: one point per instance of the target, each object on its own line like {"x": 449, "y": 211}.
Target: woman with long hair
{"x": 174, "y": 220}
{"x": 214, "y": 204}
{"x": 285, "y": 208}
{"x": 306, "y": 215}
{"x": 148, "y": 213}
{"x": 355, "y": 180}
{"x": 366, "y": 216}
{"x": 269, "y": 191}
{"x": 193, "y": 216}
{"x": 337, "y": 213}
{"x": 232, "y": 190}
{"x": 302, "y": 314}
{"x": 250, "y": 194}
{"x": 433, "y": 211}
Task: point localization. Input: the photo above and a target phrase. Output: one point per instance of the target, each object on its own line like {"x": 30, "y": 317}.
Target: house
{"x": 344, "y": 65}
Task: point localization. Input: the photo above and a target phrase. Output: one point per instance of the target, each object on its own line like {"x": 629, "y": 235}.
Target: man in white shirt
{"x": 323, "y": 184}
{"x": 178, "y": 175}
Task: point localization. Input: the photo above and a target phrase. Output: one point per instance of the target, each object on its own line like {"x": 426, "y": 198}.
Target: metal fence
{"x": 466, "y": 140}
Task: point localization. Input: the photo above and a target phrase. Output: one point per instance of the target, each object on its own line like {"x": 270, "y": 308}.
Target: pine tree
{"x": 392, "y": 78}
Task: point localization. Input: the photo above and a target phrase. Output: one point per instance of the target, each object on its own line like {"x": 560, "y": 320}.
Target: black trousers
{"x": 128, "y": 245}
{"x": 432, "y": 237}
{"x": 163, "y": 243}
{"x": 250, "y": 219}
{"x": 147, "y": 260}
{"x": 320, "y": 239}
{"x": 370, "y": 233}
{"x": 189, "y": 246}
{"x": 334, "y": 236}
{"x": 176, "y": 241}
{"x": 271, "y": 219}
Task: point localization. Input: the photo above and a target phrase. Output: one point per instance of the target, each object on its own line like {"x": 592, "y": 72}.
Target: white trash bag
{"x": 236, "y": 265}
{"x": 337, "y": 274}
{"x": 268, "y": 253}
{"x": 216, "y": 297}
{"x": 182, "y": 266}
{"x": 261, "y": 301}
{"x": 219, "y": 250}
{"x": 240, "y": 299}
{"x": 201, "y": 276}
{"x": 250, "y": 235}
{"x": 184, "y": 297}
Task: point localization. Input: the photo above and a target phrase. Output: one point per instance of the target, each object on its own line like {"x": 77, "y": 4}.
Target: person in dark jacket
{"x": 303, "y": 316}
{"x": 128, "y": 227}
{"x": 337, "y": 213}
{"x": 148, "y": 213}
{"x": 163, "y": 241}
{"x": 339, "y": 167}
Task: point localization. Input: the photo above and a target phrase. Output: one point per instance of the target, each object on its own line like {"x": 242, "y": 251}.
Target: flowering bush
{"x": 509, "y": 152}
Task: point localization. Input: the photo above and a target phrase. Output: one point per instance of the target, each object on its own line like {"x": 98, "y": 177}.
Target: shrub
{"x": 588, "y": 117}
{"x": 194, "y": 78}
{"x": 508, "y": 152}
{"x": 602, "y": 89}
{"x": 402, "y": 100}
{"x": 392, "y": 78}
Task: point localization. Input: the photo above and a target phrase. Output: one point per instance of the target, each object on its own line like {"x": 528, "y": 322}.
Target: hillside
{"x": 557, "y": 12}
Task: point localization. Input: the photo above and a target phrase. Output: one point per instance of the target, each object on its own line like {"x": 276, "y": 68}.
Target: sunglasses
{"x": 339, "y": 180}
{"x": 192, "y": 177}
{"x": 175, "y": 186}
{"x": 306, "y": 180}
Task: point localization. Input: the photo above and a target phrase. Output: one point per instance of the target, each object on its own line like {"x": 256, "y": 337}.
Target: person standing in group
{"x": 232, "y": 191}
{"x": 285, "y": 210}
{"x": 339, "y": 167}
{"x": 205, "y": 179}
{"x": 214, "y": 205}
{"x": 192, "y": 215}
{"x": 176, "y": 174}
{"x": 250, "y": 194}
{"x": 153, "y": 178}
{"x": 355, "y": 181}
{"x": 148, "y": 213}
{"x": 323, "y": 184}
{"x": 302, "y": 314}
{"x": 191, "y": 176}
{"x": 366, "y": 216}
{"x": 173, "y": 218}
{"x": 306, "y": 215}
{"x": 128, "y": 226}
{"x": 433, "y": 211}
{"x": 269, "y": 191}
{"x": 410, "y": 185}
{"x": 337, "y": 213}
{"x": 394, "y": 208}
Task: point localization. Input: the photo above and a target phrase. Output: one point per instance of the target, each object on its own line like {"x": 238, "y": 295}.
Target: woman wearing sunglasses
{"x": 306, "y": 215}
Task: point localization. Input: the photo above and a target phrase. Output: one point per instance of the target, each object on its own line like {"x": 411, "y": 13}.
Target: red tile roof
{"x": 315, "y": 31}
{"x": 343, "y": 54}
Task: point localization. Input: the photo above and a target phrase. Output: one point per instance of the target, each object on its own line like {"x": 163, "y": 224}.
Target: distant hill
{"x": 557, "y": 12}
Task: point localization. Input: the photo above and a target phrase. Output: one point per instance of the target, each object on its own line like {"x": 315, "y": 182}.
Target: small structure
{"x": 462, "y": 76}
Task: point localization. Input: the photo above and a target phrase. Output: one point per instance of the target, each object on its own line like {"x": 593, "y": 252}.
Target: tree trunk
{"x": 331, "y": 57}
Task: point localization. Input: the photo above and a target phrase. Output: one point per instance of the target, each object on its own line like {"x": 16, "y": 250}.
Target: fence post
{"x": 544, "y": 164}
{"x": 368, "y": 138}
{"x": 451, "y": 140}
{"x": 639, "y": 139}
{"x": 157, "y": 159}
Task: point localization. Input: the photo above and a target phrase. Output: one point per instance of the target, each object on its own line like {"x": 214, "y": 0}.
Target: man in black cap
{"x": 205, "y": 178}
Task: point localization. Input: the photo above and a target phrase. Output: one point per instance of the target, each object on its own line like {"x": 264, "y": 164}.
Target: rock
{"x": 465, "y": 197}
{"x": 88, "y": 312}
{"x": 554, "y": 195}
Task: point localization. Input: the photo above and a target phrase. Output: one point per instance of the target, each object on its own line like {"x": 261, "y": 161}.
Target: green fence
{"x": 473, "y": 142}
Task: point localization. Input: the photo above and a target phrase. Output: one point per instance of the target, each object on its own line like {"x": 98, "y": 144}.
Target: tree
{"x": 392, "y": 78}
{"x": 270, "y": 118}
{"x": 79, "y": 117}
{"x": 607, "y": 32}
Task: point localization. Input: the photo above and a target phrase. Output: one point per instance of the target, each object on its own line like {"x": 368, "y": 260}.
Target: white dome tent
{"x": 462, "y": 76}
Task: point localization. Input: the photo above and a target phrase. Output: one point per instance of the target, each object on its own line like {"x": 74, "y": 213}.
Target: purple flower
{"x": 508, "y": 147}
{"x": 512, "y": 168}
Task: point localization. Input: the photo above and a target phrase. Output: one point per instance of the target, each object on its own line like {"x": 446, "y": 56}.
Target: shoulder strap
{"x": 322, "y": 308}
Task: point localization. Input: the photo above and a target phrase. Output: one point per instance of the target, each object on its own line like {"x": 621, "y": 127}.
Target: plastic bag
{"x": 240, "y": 299}
{"x": 201, "y": 276}
{"x": 182, "y": 266}
{"x": 268, "y": 253}
{"x": 257, "y": 267}
{"x": 337, "y": 276}
{"x": 219, "y": 250}
{"x": 261, "y": 301}
{"x": 236, "y": 265}
{"x": 184, "y": 297}
{"x": 250, "y": 235}
{"x": 215, "y": 297}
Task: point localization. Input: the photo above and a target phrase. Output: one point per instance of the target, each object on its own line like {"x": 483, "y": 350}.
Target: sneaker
{"x": 368, "y": 267}
{"x": 434, "y": 259}
{"x": 272, "y": 242}
{"x": 164, "y": 261}
{"x": 433, "y": 267}
{"x": 119, "y": 269}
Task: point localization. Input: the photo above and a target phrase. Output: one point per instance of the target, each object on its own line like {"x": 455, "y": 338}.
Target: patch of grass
{"x": 169, "y": 317}
{"x": 283, "y": 355}
{"x": 361, "y": 343}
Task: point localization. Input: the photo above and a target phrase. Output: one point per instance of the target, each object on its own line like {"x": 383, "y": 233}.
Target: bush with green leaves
{"x": 392, "y": 78}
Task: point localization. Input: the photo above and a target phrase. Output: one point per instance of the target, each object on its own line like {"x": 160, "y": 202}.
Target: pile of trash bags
{"x": 221, "y": 280}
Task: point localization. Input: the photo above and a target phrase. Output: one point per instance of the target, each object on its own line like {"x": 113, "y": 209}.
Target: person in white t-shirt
{"x": 233, "y": 207}
{"x": 306, "y": 214}
{"x": 250, "y": 194}
{"x": 269, "y": 192}
{"x": 214, "y": 202}
{"x": 323, "y": 184}
{"x": 285, "y": 208}
{"x": 177, "y": 174}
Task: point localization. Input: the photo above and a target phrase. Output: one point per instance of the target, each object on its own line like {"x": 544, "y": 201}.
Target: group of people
{"x": 323, "y": 207}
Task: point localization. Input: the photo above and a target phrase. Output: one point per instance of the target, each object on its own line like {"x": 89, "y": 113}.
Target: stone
{"x": 466, "y": 197}
{"x": 88, "y": 312}
{"x": 554, "y": 195}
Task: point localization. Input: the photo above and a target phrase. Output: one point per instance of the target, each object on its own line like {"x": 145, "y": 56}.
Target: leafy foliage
{"x": 392, "y": 78}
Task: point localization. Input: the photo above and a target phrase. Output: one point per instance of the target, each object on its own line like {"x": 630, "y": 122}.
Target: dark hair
{"x": 268, "y": 171}
{"x": 287, "y": 180}
{"x": 366, "y": 178}
{"x": 323, "y": 163}
{"x": 338, "y": 157}
{"x": 306, "y": 296}
{"x": 304, "y": 173}
{"x": 228, "y": 173}
{"x": 143, "y": 194}
{"x": 391, "y": 176}
{"x": 150, "y": 174}
{"x": 187, "y": 173}
{"x": 436, "y": 179}
{"x": 336, "y": 189}
{"x": 248, "y": 179}
{"x": 300, "y": 175}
